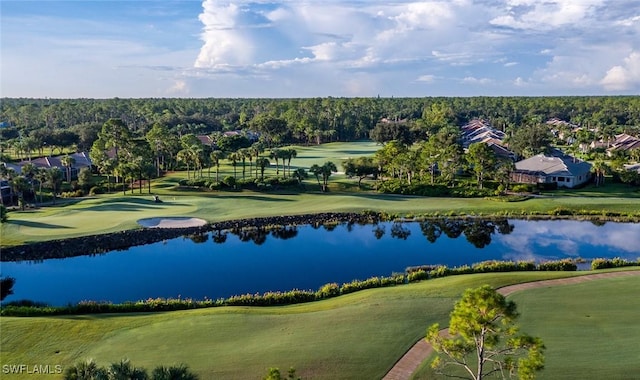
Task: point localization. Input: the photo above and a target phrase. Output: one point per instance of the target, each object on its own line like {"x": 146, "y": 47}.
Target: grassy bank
{"x": 589, "y": 329}
{"x": 359, "y": 335}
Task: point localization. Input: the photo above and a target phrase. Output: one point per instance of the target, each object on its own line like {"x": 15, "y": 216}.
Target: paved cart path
{"x": 411, "y": 360}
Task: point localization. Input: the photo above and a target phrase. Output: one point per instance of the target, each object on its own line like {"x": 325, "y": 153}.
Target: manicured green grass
{"x": 117, "y": 212}
{"x": 590, "y": 329}
{"x": 114, "y": 212}
{"x": 607, "y": 190}
{"x": 357, "y": 336}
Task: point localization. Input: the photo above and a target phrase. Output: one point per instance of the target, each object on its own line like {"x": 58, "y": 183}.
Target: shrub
{"x": 439, "y": 271}
{"x": 503, "y": 266}
{"x": 616, "y": 262}
{"x": 559, "y": 265}
{"x": 417, "y": 275}
{"x": 562, "y": 211}
{"x": 328, "y": 291}
{"x": 522, "y": 188}
{"x": 72, "y": 194}
{"x": 230, "y": 181}
{"x": 96, "y": 190}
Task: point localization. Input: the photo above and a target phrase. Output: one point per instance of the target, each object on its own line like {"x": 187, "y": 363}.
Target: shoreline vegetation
{"x": 27, "y": 308}
{"x": 121, "y": 240}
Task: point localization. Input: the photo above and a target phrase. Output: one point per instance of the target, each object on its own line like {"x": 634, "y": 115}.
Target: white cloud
{"x": 568, "y": 236}
{"x": 426, "y": 78}
{"x": 544, "y": 15}
{"x": 625, "y": 76}
{"x": 243, "y": 47}
{"x": 473, "y": 80}
{"x": 224, "y": 44}
{"x": 179, "y": 88}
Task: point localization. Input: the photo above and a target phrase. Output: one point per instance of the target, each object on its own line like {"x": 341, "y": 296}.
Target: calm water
{"x": 306, "y": 258}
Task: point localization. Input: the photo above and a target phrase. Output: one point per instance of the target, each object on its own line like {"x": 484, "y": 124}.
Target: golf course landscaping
{"x": 359, "y": 335}
{"x": 587, "y": 328}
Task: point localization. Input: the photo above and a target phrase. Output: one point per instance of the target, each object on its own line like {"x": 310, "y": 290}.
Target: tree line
{"x": 42, "y": 124}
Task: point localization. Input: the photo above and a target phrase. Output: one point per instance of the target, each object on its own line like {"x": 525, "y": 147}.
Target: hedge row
{"x": 616, "y": 262}
{"x": 414, "y": 274}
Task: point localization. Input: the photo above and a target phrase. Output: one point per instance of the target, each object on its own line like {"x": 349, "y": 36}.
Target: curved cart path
{"x": 411, "y": 360}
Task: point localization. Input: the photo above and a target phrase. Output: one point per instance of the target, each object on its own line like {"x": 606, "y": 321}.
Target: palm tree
{"x": 290, "y": 153}
{"x": 185, "y": 155}
{"x": 243, "y": 153}
{"x": 123, "y": 370}
{"x": 29, "y": 170}
{"x": 300, "y": 174}
{"x": 257, "y": 148}
{"x": 276, "y": 154}
{"x": 54, "y": 179}
{"x": 599, "y": 168}
{"x": 216, "y": 156}
{"x": 324, "y": 171}
{"x": 68, "y": 162}
{"x": 262, "y": 163}
{"x": 328, "y": 168}
{"x": 234, "y": 157}
{"x": 41, "y": 176}
{"x": 20, "y": 185}
{"x": 180, "y": 372}
{"x": 88, "y": 370}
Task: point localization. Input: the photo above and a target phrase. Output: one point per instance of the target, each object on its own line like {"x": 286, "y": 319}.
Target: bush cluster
{"x": 72, "y": 194}
{"x": 233, "y": 183}
{"x": 396, "y": 186}
{"x": 558, "y": 266}
{"x": 616, "y": 262}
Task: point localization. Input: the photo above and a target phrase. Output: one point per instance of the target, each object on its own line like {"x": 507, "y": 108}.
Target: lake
{"x": 222, "y": 264}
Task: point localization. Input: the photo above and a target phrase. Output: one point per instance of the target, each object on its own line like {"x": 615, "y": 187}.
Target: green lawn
{"x": 117, "y": 212}
{"x": 357, "y": 336}
{"x": 590, "y": 329}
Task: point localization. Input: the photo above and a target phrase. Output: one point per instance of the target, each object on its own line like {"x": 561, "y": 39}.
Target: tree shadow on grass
{"x": 377, "y": 196}
{"x": 27, "y": 223}
{"x": 254, "y": 198}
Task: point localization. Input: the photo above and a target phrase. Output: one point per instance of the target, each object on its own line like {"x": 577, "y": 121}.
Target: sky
{"x": 318, "y": 48}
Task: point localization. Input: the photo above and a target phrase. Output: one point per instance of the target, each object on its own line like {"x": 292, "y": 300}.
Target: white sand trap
{"x": 171, "y": 222}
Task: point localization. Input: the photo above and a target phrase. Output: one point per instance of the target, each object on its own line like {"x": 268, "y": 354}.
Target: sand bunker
{"x": 171, "y": 222}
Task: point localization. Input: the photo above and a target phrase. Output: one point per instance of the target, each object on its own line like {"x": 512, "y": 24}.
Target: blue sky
{"x": 298, "y": 48}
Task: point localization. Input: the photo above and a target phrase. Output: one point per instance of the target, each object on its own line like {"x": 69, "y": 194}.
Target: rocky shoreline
{"x": 97, "y": 244}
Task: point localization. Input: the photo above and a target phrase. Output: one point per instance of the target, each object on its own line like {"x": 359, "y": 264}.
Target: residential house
{"x": 81, "y": 160}
{"x": 564, "y": 170}
{"x": 624, "y": 142}
{"x": 480, "y": 131}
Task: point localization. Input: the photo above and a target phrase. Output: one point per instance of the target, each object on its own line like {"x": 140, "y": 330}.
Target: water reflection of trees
{"x": 219, "y": 236}
{"x": 199, "y": 237}
{"x": 258, "y": 235}
{"x": 478, "y": 232}
{"x": 399, "y": 231}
